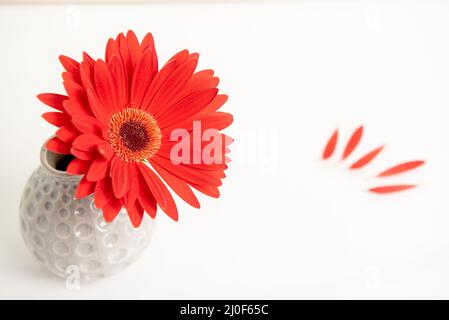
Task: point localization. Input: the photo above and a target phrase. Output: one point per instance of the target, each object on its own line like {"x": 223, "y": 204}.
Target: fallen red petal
{"x": 330, "y": 146}
{"x": 353, "y": 142}
{"x": 366, "y": 159}
{"x": 392, "y": 189}
{"x": 403, "y": 167}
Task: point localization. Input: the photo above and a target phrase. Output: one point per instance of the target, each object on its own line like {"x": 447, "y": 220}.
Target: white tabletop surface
{"x": 288, "y": 225}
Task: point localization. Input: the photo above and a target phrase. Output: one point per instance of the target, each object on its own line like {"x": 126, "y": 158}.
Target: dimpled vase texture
{"x": 68, "y": 235}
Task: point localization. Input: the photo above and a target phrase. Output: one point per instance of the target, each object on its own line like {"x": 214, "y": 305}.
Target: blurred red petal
{"x": 391, "y": 189}
{"x": 330, "y": 146}
{"x": 403, "y": 167}
{"x": 353, "y": 142}
{"x": 366, "y": 158}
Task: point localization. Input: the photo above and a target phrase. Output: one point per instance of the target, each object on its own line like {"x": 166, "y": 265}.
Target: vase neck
{"x": 55, "y": 163}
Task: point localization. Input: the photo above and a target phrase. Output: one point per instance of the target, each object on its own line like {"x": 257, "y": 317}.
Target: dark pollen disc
{"x": 134, "y": 135}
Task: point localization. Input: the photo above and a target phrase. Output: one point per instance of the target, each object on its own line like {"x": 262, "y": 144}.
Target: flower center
{"x": 134, "y": 134}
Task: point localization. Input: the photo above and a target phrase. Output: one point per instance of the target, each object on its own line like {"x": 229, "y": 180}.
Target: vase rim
{"x": 49, "y": 159}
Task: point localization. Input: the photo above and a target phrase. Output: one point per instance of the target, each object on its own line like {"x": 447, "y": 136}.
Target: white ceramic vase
{"x": 71, "y": 236}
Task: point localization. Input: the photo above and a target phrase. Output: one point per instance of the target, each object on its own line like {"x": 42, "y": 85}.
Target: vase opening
{"x": 55, "y": 162}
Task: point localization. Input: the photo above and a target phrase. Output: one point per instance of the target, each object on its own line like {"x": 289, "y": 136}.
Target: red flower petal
{"x": 86, "y": 72}
{"x": 133, "y": 47}
{"x": 77, "y": 104}
{"x": 141, "y": 79}
{"x": 105, "y": 150}
{"x": 179, "y": 57}
{"x": 77, "y": 166}
{"x": 366, "y": 159}
{"x": 86, "y": 124}
{"x": 210, "y": 191}
{"x": 122, "y": 43}
{"x": 174, "y": 83}
{"x": 196, "y": 176}
{"x": 103, "y": 192}
{"x": 88, "y": 59}
{"x": 131, "y": 196}
{"x": 135, "y": 214}
{"x": 101, "y": 112}
{"x": 401, "y": 168}
{"x": 69, "y": 64}
{"x": 202, "y": 80}
{"x": 58, "y": 146}
{"x": 330, "y": 146}
{"x": 83, "y": 155}
{"x": 121, "y": 82}
{"x": 56, "y": 118}
{"x": 85, "y": 188}
{"x": 53, "y": 100}
{"x": 87, "y": 142}
{"x": 391, "y": 189}
{"x": 67, "y": 133}
{"x": 98, "y": 169}
{"x": 216, "y": 120}
{"x": 199, "y": 81}
{"x": 187, "y": 107}
{"x": 111, "y": 210}
{"x": 67, "y": 76}
{"x": 180, "y": 187}
{"x": 105, "y": 87}
{"x": 157, "y": 82}
{"x": 353, "y": 142}
{"x": 120, "y": 178}
{"x": 217, "y": 103}
{"x": 148, "y": 42}
{"x": 146, "y": 198}
{"x": 112, "y": 50}
{"x": 159, "y": 191}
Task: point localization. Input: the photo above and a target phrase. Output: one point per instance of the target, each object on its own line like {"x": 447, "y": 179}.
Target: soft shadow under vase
{"x": 68, "y": 235}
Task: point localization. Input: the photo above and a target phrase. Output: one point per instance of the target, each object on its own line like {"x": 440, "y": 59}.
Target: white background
{"x": 288, "y": 225}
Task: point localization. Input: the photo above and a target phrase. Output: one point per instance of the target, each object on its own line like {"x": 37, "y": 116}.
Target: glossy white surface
{"x": 287, "y": 224}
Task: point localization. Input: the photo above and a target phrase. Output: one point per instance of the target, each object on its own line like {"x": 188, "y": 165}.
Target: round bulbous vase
{"x": 68, "y": 235}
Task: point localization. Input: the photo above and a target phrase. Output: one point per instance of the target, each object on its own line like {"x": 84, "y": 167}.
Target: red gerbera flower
{"x": 116, "y": 120}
